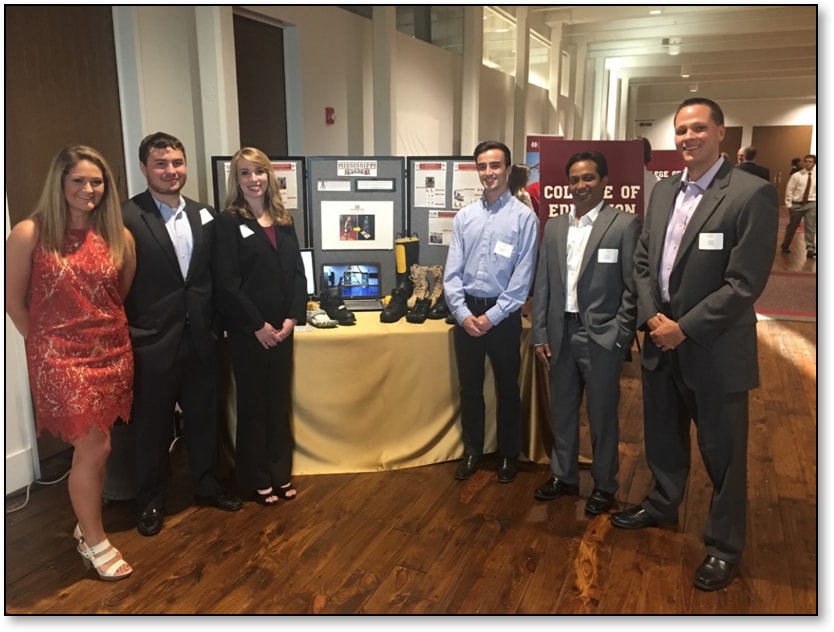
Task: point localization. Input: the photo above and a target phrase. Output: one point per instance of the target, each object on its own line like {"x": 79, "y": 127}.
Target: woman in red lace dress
{"x": 68, "y": 267}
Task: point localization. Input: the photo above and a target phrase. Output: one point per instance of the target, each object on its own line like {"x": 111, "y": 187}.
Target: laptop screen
{"x": 309, "y": 270}
{"x": 358, "y": 280}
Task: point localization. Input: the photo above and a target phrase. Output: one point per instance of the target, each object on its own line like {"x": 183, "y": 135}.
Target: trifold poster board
{"x": 438, "y": 188}
{"x": 291, "y": 175}
{"x": 357, "y": 209}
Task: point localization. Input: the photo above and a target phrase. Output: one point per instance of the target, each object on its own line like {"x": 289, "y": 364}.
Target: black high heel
{"x": 262, "y": 497}
{"x": 286, "y": 492}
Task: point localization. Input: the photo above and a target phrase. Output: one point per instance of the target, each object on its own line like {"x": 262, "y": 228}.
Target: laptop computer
{"x": 359, "y": 283}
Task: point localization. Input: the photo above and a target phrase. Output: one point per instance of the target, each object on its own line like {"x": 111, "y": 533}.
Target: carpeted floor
{"x": 789, "y": 296}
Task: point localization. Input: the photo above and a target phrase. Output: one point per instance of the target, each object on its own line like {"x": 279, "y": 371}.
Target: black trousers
{"x": 264, "y": 442}
{"x": 502, "y": 345}
{"x": 158, "y": 387}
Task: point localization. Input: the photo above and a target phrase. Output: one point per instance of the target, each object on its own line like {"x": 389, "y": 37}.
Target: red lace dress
{"x": 78, "y": 348}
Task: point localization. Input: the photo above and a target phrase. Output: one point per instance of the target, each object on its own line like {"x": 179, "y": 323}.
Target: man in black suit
{"x": 748, "y": 164}
{"x": 703, "y": 258}
{"x": 172, "y": 327}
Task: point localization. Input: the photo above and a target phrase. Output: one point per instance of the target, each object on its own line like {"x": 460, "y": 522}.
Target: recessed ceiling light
{"x": 655, "y": 12}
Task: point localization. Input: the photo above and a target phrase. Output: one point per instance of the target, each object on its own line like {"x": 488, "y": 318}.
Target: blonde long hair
{"x": 273, "y": 204}
{"x": 51, "y": 214}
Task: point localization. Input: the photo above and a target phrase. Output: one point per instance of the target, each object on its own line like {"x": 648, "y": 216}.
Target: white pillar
{"x": 384, "y": 30}
{"x": 218, "y": 84}
{"x": 473, "y": 56}
{"x": 522, "y": 72}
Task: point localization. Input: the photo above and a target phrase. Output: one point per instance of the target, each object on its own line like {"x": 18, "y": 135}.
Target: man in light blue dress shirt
{"x": 488, "y": 272}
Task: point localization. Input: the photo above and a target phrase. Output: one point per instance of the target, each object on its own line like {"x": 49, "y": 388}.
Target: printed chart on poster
{"x": 358, "y": 209}
{"x": 439, "y": 186}
{"x": 290, "y": 173}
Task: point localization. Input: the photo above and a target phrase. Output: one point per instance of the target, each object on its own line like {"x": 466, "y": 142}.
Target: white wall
{"x": 737, "y": 113}
{"x": 22, "y": 465}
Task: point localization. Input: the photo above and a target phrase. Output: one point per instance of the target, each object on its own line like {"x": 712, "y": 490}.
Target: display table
{"x": 383, "y": 396}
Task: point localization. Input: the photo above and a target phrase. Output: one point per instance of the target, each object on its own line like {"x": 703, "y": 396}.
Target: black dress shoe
{"x": 467, "y": 466}
{"x": 554, "y": 488}
{"x": 714, "y": 574}
{"x": 150, "y": 521}
{"x": 226, "y": 502}
{"x": 506, "y": 470}
{"x": 636, "y": 518}
{"x": 599, "y": 502}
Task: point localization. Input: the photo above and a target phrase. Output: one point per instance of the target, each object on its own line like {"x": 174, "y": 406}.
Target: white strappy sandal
{"x": 100, "y": 555}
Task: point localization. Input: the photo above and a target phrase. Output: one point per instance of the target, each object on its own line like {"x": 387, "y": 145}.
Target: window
{"x": 500, "y": 48}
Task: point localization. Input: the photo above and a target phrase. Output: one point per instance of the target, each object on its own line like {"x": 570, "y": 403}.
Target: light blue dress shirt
{"x": 492, "y": 254}
{"x": 179, "y": 229}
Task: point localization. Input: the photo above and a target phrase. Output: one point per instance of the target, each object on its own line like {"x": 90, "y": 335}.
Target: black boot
{"x": 397, "y": 307}
{"x": 406, "y": 254}
{"x": 330, "y": 299}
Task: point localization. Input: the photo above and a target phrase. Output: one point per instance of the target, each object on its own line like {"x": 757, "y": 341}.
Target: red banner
{"x": 625, "y": 174}
{"x": 665, "y": 162}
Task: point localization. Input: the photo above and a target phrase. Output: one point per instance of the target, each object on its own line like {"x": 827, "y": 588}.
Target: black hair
{"x": 594, "y": 156}
{"x": 493, "y": 144}
{"x": 158, "y": 140}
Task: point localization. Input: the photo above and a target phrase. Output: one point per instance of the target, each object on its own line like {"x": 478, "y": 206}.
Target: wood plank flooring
{"x": 416, "y": 541}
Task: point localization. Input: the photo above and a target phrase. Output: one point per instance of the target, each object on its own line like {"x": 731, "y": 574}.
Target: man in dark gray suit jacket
{"x": 749, "y": 165}
{"x": 703, "y": 258}
{"x": 173, "y": 329}
{"x": 584, "y": 311}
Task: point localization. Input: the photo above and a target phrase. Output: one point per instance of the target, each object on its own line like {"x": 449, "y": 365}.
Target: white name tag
{"x": 711, "y": 241}
{"x": 503, "y": 249}
{"x": 608, "y": 255}
{"x": 205, "y": 216}
{"x": 245, "y": 231}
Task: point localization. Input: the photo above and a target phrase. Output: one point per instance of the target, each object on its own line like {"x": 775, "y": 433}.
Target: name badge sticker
{"x": 245, "y": 231}
{"x": 711, "y": 241}
{"x": 608, "y": 255}
{"x": 503, "y": 249}
{"x": 205, "y": 216}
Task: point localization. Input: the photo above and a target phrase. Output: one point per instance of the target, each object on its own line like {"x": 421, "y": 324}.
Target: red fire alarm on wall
{"x": 329, "y": 115}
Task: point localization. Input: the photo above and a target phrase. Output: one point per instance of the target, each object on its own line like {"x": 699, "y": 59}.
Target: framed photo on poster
{"x": 357, "y": 225}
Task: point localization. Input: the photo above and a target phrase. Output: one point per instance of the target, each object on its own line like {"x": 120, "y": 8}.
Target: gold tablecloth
{"x": 384, "y": 396}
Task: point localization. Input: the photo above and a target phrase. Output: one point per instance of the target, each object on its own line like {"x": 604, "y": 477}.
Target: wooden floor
{"x": 417, "y": 541}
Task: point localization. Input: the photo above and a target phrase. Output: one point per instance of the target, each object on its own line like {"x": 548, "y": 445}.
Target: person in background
{"x": 517, "y": 182}
{"x": 261, "y": 295}
{"x": 649, "y": 177}
{"x": 487, "y": 277}
{"x": 583, "y": 325}
{"x": 703, "y": 258}
{"x": 174, "y": 331}
{"x": 801, "y": 200}
{"x": 749, "y": 165}
{"x": 796, "y": 165}
{"x": 68, "y": 268}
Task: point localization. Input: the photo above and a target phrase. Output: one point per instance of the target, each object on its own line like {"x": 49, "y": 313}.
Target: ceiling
{"x": 737, "y": 50}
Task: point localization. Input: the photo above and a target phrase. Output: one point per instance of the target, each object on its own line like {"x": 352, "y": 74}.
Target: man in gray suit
{"x": 702, "y": 260}
{"x": 584, "y": 314}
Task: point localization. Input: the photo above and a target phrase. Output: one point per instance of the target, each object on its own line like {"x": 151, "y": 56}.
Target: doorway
{"x": 776, "y": 145}
{"x": 261, "y": 90}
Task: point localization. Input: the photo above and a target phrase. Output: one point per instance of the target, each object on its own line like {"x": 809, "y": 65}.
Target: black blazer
{"x": 161, "y": 303}
{"x": 255, "y": 282}
{"x": 756, "y": 170}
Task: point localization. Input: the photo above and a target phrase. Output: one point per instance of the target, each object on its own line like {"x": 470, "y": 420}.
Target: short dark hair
{"x": 812, "y": 156}
{"x": 158, "y": 140}
{"x": 493, "y": 144}
{"x": 594, "y": 156}
{"x": 716, "y": 114}
{"x": 647, "y": 149}
{"x": 750, "y": 152}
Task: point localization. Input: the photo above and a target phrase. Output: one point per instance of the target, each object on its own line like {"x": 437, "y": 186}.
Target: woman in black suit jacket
{"x": 261, "y": 296}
